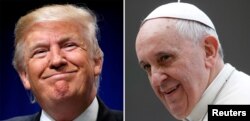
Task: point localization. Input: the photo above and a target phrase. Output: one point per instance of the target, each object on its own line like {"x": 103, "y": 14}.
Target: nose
{"x": 57, "y": 60}
{"x": 158, "y": 76}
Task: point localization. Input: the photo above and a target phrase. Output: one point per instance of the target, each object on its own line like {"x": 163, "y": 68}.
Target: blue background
{"x": 13, "y": 97}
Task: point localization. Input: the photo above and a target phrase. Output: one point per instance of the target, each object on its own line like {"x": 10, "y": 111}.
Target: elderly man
{"x": 58, "y": 58}
{"x": 178, "y": 47}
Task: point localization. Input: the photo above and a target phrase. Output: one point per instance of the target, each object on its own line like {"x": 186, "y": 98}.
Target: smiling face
{"x": 174, "y": 64}
{"x": 59, "y": 67}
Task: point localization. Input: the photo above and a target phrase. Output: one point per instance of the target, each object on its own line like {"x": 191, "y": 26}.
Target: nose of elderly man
{"x": 57, "y": 59}
{"x": 158, "y": 77}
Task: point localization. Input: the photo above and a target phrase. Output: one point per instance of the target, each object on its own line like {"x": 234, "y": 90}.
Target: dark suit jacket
{"x": 104, "y": 114}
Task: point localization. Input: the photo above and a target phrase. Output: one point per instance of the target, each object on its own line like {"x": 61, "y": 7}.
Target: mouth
{"x": 55, "y": 74}
{"x": 172, "y": 89}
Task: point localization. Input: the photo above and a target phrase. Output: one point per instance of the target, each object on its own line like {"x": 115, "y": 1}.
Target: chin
{"x": 59, "y": 96}
{"x": 178, "y": 113}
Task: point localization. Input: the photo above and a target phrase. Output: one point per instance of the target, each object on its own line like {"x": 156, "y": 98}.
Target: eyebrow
{"x": 40, "y": 43}
{"x": 43, "y": 43}
{"x": 161, "y": 53}
{"x": 157, "y": 55}
{"x": 65, "y": 39}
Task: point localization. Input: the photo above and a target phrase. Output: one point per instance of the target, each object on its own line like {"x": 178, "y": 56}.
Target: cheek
{"x": 83, "y": 63}
{"x": 183, "y": 72}
{"x": 78, "y": 57}
{"x": 35, "y": 67}
{"x": 192, "y": 69}
{"x": 198, "y": 76}
{"x": 194, "y": 82}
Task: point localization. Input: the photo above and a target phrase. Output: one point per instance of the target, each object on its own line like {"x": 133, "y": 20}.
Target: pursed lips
{"x": 57, "y": 74}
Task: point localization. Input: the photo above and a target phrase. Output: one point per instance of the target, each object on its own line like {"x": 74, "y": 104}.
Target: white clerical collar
{"x": 90, "y": 114}
{"x": 211, "y": 93}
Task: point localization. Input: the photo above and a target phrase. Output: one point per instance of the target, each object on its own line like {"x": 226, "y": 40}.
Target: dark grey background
{"x": 232, "y": 21}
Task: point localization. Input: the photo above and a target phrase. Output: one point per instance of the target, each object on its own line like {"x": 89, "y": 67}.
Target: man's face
{"x": 58, "y": 63}
{"x": 175, "y": 66}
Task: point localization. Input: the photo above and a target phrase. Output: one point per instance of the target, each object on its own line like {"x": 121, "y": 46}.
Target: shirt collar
{"x": 210, "y": 94}
{"x": 90, "y": 114}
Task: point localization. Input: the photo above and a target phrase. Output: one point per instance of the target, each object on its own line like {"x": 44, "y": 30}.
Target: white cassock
{"x": 229, "y": 87}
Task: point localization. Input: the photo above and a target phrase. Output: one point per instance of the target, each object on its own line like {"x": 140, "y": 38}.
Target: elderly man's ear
{"x": 98, "y": 66}
{"x": 24, "y": 77}
{"x": 211, "y": 47}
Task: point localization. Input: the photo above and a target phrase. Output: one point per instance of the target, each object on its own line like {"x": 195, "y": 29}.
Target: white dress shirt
{"x": 90, "y": 114}
{"x": 229, "y": 87}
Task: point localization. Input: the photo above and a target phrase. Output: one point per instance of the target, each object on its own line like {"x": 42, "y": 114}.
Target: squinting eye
{"x": 39, "y": 53}
{"x": 69, "y": 46}
{"x": 164, "y": 58}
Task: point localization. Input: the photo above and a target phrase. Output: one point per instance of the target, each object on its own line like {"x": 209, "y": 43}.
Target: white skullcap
{"x": 180, "y": 11}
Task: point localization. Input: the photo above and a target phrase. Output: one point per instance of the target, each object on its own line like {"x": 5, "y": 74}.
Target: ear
{"x": 98, "y": 66}
{"x": 24, "y": 77}
{"x": 211, "y": 47}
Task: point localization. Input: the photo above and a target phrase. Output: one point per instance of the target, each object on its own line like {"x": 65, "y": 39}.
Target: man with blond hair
{"x": 58, "y": 58}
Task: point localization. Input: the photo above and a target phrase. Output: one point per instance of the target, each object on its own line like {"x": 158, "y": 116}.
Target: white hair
{"x": 196, "y": 31}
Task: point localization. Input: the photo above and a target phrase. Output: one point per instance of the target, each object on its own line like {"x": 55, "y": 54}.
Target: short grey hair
{"x": 68, "y": 12}
{"x": 196, "y": 31}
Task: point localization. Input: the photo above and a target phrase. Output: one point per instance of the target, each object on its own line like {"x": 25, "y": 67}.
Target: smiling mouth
{"x": 57, "y": 73}
{"x": 171, "y": 90}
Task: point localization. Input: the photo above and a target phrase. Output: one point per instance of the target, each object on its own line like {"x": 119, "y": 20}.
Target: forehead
{"x": 157, "y": 30}
{"x": 157, "y": 34}
{"x": 52, "y": 30}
